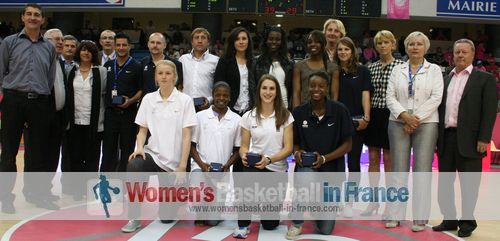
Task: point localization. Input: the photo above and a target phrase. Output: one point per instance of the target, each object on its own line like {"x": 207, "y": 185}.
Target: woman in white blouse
{"x": 266, "y": 130}
{"x": 85, "y": 89}
{"x": 413, "y": 95}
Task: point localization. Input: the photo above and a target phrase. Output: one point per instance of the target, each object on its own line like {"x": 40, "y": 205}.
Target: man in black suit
{"x": 466, "y": 117}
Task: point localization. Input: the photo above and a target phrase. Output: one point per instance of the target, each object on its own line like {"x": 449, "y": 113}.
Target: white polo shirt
{"x": 198, "y": 74}
{"x": 215, "y": 139}
{"x": 165, "y": 121}
{"x": 265, "y": 139}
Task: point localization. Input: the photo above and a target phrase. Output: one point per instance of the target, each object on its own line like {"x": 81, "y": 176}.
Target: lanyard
{"x": 117, "y": 74}
{"x": 410, "y": 84}
{"x": 105, "y": 57}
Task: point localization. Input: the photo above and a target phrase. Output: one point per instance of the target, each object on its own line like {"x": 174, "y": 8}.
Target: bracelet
{"x": 366, "y": 118}
{"x": 324, "y": 159}
{"x": 269, "y": 158}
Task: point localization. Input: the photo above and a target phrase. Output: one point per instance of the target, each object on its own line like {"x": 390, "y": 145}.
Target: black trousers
{"x": 451, "y": 161}
{"x": 119, "y": 139}
{"x": 243, "y": 221}
{"x": 18, "y": 110}
{"x": 139, "y": 164}
{"x": 354, "y": 157}
{"x": 84, "y": 152}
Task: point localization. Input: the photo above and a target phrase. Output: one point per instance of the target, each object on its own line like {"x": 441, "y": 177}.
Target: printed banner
{"x": 468, "y": 8}
{"x": 398, "y": 9}
{"x": 227, "y": 196}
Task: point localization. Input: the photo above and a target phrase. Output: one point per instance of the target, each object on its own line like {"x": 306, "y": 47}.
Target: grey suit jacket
{"x": 476, "y": 114}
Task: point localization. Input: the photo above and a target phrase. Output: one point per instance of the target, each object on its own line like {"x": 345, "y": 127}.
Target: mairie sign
{"x": 67, "y": 3}
{"x": 469, "y": 8}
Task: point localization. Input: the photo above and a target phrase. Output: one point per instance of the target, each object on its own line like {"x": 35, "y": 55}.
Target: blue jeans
{"x": 325, "y": 227}
{"x": 423, "y": 142}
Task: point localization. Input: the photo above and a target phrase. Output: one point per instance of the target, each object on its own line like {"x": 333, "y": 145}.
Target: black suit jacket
{"x": 227, "y": 70}
{"x": 476, "y": 114}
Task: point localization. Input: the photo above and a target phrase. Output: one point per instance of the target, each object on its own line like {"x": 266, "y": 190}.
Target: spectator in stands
{"x": 333, "y": 30}
{"x": 317, "y": 60}
{"x": 274, "y": 61}
{"x": 438, "y": 57}
{"x": 492, "y": 65}
{"x": 369, "y": 53}
{"x": 478, "y": 65}
{"x": 480, "y": 52}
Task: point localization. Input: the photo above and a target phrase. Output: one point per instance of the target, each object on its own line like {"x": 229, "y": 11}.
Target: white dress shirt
{"x": 198, "y": 74}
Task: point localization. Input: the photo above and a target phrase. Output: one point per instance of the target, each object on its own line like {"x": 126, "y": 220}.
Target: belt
{"x": 28, "y": 95}
{"x": 454, "y": 129}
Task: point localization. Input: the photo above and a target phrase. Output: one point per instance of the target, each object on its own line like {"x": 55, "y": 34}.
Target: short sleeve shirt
{"x": 216, "y": 138}
{"x": 265, "y": 138}
{"x": 127, "y": 82}
{"x": 165, "y": 120}
{"x": 323, "y": 136}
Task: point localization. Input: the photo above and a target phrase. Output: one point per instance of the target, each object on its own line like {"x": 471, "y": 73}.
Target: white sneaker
{"x": 347, "y": 211}
{"x": 241, "y": 232}
{"x": 131, "y": 226}
{"x": 293, "y": 232}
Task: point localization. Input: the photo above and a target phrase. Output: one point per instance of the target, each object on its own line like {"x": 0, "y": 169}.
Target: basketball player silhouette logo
{"x": 104, "y": 194}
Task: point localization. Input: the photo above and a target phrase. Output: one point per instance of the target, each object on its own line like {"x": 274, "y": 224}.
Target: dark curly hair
{"x": 89, "y": 46}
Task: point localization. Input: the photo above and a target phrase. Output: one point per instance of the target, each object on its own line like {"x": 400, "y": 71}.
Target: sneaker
{"x": 418, "y": 227}
{"x": 131, "y": 226}
{"x": 293, "y": 232}
{"x": 241, "y": 232}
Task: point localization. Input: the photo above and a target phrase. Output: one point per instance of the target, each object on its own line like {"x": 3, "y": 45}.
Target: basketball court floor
{"x": 34, "y": 229}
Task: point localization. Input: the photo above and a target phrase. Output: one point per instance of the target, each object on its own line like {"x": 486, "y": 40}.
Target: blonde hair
{"x": 200, "y": 30}
{"x": 337, "y": 22}
{"x": 412, "y": 36}
{"x": 384, "y": 34}
{"x": 167, "y": 63}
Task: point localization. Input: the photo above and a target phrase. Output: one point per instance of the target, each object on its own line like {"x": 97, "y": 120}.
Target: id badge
{"x": 114, "y": 93}
{"x": 410, "y": 106}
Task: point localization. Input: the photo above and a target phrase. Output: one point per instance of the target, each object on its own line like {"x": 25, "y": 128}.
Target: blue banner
{"x": 67, "y": 3}
{"x": 469, "y": 8}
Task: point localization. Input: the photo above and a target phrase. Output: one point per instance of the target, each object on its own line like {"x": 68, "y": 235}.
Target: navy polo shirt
{"x": 148, "y": 74}
{"x": 128, "y": 82}
{"x": 351, "y": 89}
{"x": 325, "y": 135}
